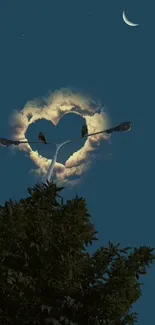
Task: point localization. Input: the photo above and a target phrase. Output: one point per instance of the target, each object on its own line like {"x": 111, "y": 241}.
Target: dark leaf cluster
{"x": 48, "y": 277}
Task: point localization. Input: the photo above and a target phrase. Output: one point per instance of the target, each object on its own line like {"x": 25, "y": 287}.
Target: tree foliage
{"x": 48, "y": 277}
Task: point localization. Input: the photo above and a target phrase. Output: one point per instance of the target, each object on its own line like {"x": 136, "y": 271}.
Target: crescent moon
{"x": 127, "y": 21}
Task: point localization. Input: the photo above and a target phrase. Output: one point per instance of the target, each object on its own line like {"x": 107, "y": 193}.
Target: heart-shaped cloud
{"x": 53, "y": 109}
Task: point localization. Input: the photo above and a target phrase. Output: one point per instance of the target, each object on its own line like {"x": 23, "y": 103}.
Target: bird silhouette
{"x": 42, "y": 138}
{"x": 84, "y": 130}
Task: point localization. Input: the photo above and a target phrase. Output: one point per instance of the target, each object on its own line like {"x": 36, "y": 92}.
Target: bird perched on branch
{"x": 42, "y": 138}
{"x": 84, "y": 130}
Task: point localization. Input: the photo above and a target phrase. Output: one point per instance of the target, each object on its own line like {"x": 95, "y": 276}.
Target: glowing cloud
{"x": 55, "y": 107}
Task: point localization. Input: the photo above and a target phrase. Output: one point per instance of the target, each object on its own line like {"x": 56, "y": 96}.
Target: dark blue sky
{"x": 46, "y": 45}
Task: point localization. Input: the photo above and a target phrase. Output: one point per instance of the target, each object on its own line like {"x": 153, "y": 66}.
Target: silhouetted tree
{"x": 48, "y": 277}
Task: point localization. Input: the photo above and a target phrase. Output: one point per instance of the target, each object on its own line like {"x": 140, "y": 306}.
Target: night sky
{"x": 85, "y": 45}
